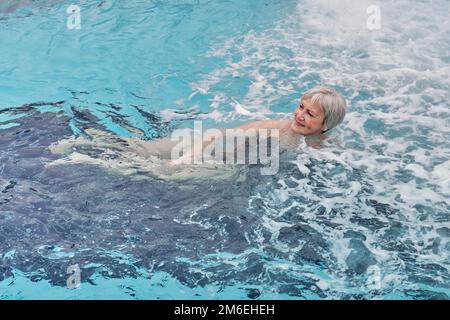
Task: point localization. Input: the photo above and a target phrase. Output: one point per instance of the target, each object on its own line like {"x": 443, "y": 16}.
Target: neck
{"x": 315, "y": 140}
{"x": 288, "y": 138}
{"x": 316, "y": 136}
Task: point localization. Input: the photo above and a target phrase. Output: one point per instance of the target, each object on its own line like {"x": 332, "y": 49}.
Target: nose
{"x": 299, "y": 114}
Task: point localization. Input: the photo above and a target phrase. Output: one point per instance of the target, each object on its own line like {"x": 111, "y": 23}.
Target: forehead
{"x": 314, "y": 107}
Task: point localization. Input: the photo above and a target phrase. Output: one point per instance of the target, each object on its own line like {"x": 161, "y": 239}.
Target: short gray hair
{"x": 332, "y": 103}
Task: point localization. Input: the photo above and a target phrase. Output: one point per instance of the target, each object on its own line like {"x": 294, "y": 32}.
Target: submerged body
{"x": 140, "y": 158}
{"x": 320, "y": 109}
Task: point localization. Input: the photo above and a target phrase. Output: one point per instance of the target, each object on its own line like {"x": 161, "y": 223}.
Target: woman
{"x": 321, "y": 109}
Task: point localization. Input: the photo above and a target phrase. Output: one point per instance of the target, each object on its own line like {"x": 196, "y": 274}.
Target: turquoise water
{"x": 366, "y": 217}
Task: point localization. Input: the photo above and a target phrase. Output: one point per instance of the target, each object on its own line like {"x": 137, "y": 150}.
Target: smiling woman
{"x": 321, "y": 109}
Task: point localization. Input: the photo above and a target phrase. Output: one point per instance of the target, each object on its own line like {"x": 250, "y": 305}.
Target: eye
{"x": 309, "y": 113}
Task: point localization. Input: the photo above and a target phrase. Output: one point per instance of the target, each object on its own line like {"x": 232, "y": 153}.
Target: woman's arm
{"x": 263, "y": 124}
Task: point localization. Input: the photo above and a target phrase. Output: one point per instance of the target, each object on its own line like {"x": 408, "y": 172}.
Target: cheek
{"x": 313, "y": 123}
{"x": 314, "y": 126}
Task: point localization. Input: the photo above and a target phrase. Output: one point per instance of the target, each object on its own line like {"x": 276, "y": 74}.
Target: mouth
{"x": 299, "y": 124}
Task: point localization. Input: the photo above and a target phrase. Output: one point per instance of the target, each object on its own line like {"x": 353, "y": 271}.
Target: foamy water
{"x": 394, "y": 150}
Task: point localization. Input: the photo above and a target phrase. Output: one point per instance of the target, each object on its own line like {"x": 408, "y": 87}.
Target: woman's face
{"x": 309, "y": 119}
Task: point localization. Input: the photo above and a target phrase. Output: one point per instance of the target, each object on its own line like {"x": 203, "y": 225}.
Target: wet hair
{"x": 332, "y": 103}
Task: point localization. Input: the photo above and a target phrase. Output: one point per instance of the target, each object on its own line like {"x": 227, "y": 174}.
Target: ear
{"x": 324, "y": 127}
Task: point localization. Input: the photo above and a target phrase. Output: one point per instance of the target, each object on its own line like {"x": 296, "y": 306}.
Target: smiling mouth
{"x": 299, "y": 124}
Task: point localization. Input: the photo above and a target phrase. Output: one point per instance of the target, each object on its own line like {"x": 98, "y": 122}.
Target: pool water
{"x": 365, "y": 217}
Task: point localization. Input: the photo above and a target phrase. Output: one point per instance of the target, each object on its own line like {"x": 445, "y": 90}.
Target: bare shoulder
{"x": 264, "y": 124}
